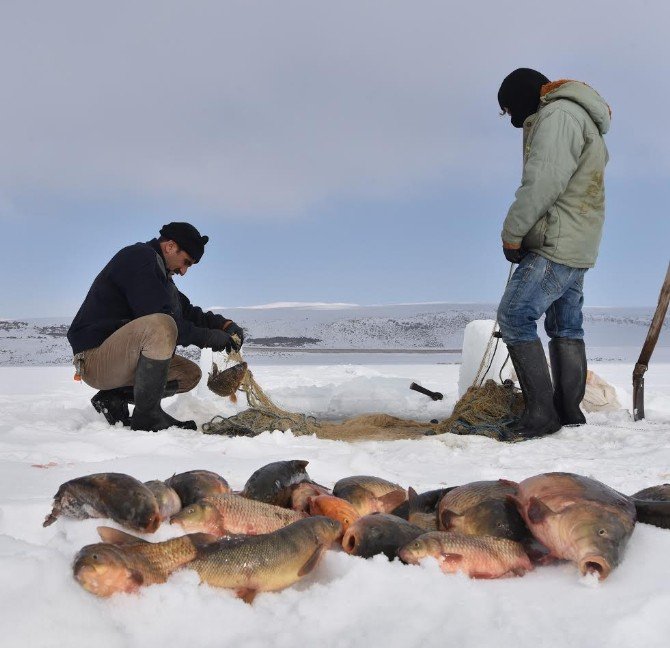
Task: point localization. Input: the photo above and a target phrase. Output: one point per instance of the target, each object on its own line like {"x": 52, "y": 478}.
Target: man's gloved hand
{"x": 219, "y": 340}
{"x": 513, "y": 252}
{"x": 233, "y": 329}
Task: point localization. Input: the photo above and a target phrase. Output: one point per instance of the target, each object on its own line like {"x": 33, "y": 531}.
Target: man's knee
{"x": 191, "y": 377}
{"x": 159, "y": 336}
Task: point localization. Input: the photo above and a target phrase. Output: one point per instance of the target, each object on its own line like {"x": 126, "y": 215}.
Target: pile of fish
{"x": 276, "y": 529}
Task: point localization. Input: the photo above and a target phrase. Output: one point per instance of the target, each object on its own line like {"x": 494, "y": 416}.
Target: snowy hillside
{"x": 321, "y": 327}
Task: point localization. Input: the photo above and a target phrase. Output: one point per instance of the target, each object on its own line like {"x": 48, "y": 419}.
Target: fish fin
{"x": 392, "y": 499}
{"x": 311, "y": 562}
{"x": 537, "y": 510}
{"x": 136, "y": 577}
{"x": 246, "y": 594}
{"x": 202, "y": 539}
{"x": 116, "y": 537}
{"x": 508, "y": 482}
{"x": 411, "y": 493}
{"x": 233, "y": 397}
{"x": 483, "y": 575}
{"x": 516, "y": 501}
{"x": 50, "y": 519}
{"x": 450, "y": 558}
{"x": 448, "y": 518}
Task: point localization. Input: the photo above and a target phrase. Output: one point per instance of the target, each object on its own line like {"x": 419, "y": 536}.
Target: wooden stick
{"x": 648, "y": 348}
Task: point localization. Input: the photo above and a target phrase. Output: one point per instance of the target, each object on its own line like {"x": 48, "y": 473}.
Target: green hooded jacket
{"x": 559, "y": 209}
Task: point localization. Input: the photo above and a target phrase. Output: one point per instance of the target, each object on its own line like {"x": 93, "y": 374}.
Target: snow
{"x": 49, "y": 434}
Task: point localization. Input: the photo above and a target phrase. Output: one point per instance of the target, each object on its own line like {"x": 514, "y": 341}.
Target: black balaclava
{"x": 520, "y": 94}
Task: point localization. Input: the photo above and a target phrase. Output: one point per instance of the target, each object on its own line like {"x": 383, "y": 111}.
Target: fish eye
{"x": 602, "y": 532}
{"x": 94, "y": 556}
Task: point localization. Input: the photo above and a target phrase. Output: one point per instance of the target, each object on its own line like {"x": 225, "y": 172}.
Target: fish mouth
{"x": 597, "y": 565}
{"x": 349, "y": 541}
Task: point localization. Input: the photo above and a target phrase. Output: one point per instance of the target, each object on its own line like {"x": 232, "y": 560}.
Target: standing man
{"x": 553, "y": 231}
{"x": 124, "y": 335}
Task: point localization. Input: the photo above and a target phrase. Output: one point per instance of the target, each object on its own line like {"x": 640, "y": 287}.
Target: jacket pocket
{"x": 534, "y": 240}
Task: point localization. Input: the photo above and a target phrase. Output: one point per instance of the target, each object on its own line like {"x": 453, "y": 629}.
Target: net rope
{"x": 486, "y": 409}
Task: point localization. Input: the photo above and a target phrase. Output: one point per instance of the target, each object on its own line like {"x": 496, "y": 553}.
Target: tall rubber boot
{"x": 568, "y": 370}
{"x": 113, "y": 404}
{"x": 539, "y": 417}
{"x": 150, "y": 383}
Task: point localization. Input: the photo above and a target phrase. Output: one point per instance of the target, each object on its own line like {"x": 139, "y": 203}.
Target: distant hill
{"x": 341, "y": 326}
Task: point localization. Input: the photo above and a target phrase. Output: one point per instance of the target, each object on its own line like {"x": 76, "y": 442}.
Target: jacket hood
{"x": 582, "y": 94}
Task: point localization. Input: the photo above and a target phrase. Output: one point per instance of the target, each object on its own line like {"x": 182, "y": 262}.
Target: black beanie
{"x": 519, "y": 94}
{"x": 187, "y": 238}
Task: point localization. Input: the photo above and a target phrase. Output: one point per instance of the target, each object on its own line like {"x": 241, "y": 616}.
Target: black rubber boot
{"x": 113, "y": 404}
{"x": 568, "y": 370}
{"x": 150, "y": 387}
{"x": 539, "y": 417}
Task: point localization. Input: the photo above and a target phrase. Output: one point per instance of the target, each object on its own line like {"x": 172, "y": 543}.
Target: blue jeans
{"x": 539, "y": 286}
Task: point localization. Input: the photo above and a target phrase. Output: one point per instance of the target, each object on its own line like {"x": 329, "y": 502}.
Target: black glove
{"x": 233, "y": 329}
{"x": 514, "y": 256}
{"x": 219, "y": 340}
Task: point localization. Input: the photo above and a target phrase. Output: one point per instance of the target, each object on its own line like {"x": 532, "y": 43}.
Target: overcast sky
{"x": 347, "y": 151}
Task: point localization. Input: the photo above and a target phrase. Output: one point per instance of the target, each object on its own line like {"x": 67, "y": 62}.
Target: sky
{"x": 345, "y": 152}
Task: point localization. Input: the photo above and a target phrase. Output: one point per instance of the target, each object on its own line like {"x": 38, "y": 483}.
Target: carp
{"x": 369, "y": 494}
{"x": 230, "y": 514}
{"x": 476, "y": 556}
{"x": 335, "y": 508}
{"x": 269, "y": 562}
{"x": 652, "y": 505}
{"x": 379, "y": 533}
{"x": 167, "y": 499}
{"x": 421, "y": 508}
{"x": 225, "y": 383}
{"x": 304, "y": 492}
{"x": 116, "y": 496}
{"x": 273, "y": 483}
{"x": 124, "y": 563}
{"x": 483, "y": 508}
{"x": 195, "y": 485}
{"x": 660, "y": 493}
{"x": 578, "y": 519}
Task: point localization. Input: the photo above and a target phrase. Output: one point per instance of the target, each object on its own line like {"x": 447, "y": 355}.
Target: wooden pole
{"x": 648, "y": 348}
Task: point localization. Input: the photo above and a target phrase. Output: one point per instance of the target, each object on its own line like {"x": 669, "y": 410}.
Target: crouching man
{"x": 125, "y": 333}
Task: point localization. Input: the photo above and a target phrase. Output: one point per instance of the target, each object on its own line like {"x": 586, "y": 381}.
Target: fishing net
{"x": 485, "y": 409}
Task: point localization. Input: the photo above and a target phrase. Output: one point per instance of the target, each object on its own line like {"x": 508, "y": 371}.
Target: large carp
{"x": 269, "y": 562}
{"x": 368, "y": 494}
{"x": 379, "y": 533}
{"x": 167, "y": 499}
{"x": 476, "y": 556}
{"x": 124, "y": 563}
{"x": 274, "y": 482}
{"x": 232, "y": 514}
{"x": 116, "y": 496}
{"x": 578, "y": 519}
{"x": 194, "y": 485}
{"x": 653, "y": 505}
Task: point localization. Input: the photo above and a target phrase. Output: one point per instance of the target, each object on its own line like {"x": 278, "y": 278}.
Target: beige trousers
{"x": 113, "y": 363}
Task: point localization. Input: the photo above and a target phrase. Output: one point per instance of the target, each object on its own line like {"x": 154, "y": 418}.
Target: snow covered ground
{"x": 49, "y": 434}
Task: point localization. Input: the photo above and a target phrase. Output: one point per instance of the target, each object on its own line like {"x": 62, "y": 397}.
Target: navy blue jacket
{"x": 133, "y": 284}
